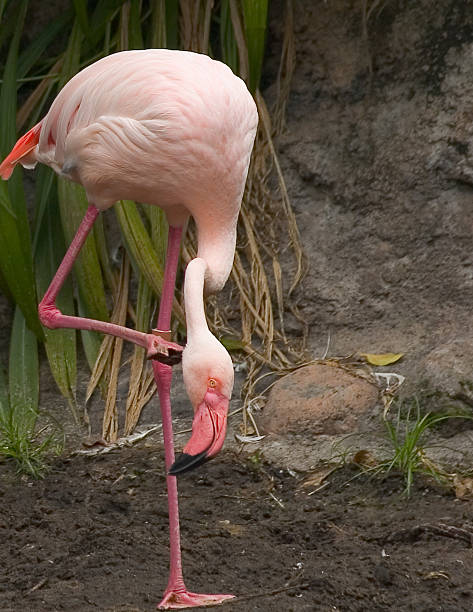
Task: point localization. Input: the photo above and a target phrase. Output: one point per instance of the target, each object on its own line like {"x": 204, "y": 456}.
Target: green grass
{"x": 30, "y": 451}
{"x": 20, "y": 442}
{"x": 408, "y": 435}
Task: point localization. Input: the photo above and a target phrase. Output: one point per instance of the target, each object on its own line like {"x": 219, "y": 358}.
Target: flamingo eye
{"x": 212, "y": 383}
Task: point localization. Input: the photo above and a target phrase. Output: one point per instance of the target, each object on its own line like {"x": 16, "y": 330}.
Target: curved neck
{"x": 216, "y": 246}
{"x": 194, "y": 298}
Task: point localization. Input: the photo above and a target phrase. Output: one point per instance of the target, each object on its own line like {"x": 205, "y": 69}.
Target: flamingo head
{"x": 208, "y": 377}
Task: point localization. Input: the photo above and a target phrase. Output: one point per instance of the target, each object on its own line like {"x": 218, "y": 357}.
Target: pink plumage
{"x": 173, "y": 129}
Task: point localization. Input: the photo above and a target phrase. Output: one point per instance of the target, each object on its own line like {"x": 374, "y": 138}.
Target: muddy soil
{"x": 93, "y": 536}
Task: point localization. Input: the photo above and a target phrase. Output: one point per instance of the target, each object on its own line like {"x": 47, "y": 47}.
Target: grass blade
{"x": 18, "y": 439}
{"x": 23, "y": 374}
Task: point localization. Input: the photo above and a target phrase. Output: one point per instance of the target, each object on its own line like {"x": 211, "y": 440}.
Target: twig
{"x": 441, "y": 529}
{"x": 303, "y": 585}
{"x": 278, "y": 501}
{"x": 37, "y": 586}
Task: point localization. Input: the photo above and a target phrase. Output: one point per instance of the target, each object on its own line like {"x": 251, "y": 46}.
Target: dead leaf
{"x": 382, "y": 359}
{"x": 463, "y": 486}
{"x": 315, "y": 479}
{"x": 434, "y": 575}
{"x": 364, "y": 458}
{"x": 96, "y": 440}
{"x": 234, "y": 530}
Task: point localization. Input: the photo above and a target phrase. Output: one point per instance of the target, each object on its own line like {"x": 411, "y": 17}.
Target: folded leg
{"x": 50, "y": 316}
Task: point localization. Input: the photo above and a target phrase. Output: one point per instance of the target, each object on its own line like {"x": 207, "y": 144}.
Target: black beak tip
{"x": 185, "y": 463}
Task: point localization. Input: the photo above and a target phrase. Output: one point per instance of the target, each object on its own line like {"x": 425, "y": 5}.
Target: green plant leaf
{"x": 16, "y": 268}
{"x": 172, "y": 24}
{"x": 4, "y": 287}
{"x": 138, "y": 243}
{"x": 227, "y": 37}
{"x": 135, "y": 36}
{"x": 73, "y": 206}
{"x": 23, "y": 374}
{"x": 15, "y": 249}
{"x": 91, "y": 341}
{"x": 157, "y": 34}
{"x": 232, "y": 344}
{"x": 60, "y": 344}
{"x": 72, "y": 55}
{"x": 255, "y": 14}
{"x": 159, "y": 232}
{"x": 4, "y": 400}
{"x": 35, "y": 50}
{"x": 103, "y": 13}
{"x": 80, "y": 8}
{"x": 45, "y": 179}
{"x": 141, "y": 249}
{"x": 8, "y": 94}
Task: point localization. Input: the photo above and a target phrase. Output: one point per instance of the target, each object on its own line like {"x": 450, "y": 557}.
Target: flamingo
{"x": 173, "y": 129}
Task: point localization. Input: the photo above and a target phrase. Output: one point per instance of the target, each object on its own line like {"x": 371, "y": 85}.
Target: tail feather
{"x": 23, "y": 147}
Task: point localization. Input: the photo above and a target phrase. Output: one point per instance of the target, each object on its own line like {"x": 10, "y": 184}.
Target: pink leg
{"x": 176, "y": 594}
{"x": 52, "y": 317}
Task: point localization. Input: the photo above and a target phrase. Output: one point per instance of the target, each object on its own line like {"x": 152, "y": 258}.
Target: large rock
{"x": 319, "y": 399}
{"x": 448, "y": 369}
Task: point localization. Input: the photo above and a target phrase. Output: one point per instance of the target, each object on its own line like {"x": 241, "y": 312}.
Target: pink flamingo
{"x": 173, "y": 129}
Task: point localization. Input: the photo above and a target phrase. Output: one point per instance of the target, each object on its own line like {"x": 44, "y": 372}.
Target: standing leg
{"x": 52, "y": 317}
{"x": 176, "y": 594}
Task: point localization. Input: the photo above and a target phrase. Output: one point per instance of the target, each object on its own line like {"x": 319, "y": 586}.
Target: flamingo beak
{"x": 208, "y": 433}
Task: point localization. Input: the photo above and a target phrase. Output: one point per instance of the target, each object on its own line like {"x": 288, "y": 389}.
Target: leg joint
{"x": 49, "y": 315}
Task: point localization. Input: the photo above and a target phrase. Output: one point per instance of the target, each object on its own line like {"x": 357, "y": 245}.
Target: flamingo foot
{"x": 177, "y": 599}
{"x": 162, "y": 350}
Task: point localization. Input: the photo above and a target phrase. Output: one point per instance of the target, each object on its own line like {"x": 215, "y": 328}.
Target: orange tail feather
{"x": 24, "y": 146}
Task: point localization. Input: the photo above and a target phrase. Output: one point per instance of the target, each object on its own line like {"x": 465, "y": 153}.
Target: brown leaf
{"x": 463, "y": 486}
{"x": 316, "y": 478}
{"x": 364, "y": 458}
{"x": 234, "y": 530}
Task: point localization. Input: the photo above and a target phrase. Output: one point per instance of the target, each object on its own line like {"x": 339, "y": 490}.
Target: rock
{"x": 448, "y": 369}
{"x": 319, "y": 399}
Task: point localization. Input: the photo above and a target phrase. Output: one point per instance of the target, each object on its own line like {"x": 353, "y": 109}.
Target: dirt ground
{"x": 93, "y": 536}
